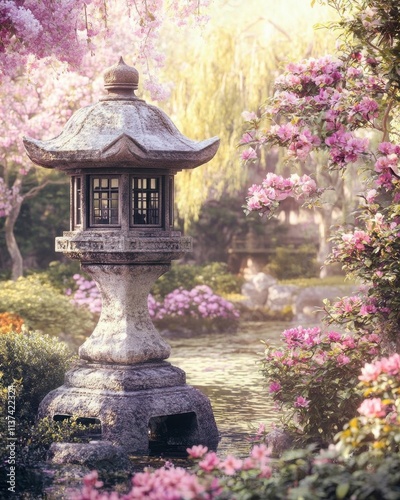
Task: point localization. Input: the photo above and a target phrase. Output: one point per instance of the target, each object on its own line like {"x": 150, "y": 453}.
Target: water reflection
{"x": 225, "y": 368}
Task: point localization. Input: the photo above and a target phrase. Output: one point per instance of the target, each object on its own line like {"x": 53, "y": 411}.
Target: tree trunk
{"x": 11, "y": 242}
{"x": 325, "y": 224}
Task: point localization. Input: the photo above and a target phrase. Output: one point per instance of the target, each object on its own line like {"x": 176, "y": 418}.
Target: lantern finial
{"x": 121, "y": 79}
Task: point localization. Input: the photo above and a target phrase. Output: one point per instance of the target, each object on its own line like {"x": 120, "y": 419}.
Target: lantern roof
{"x": 120, "y": 130}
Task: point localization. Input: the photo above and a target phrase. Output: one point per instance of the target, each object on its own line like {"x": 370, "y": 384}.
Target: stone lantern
{"x": 122, "y": 155}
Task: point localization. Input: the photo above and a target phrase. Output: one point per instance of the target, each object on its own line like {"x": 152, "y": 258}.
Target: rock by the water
{"x": 281, "y": 296}
{"x": 310, "y": 299}
{"x": 256, "y": 289}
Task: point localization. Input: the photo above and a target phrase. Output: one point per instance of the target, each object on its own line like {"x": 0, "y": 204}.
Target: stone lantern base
{"x": 143, "y": 408}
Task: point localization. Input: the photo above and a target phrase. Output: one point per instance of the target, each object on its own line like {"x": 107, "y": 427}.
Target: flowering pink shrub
{"x": 326, "y": 105}
{"x": 312, "y": 379}
{"x": 211, "y": 478}
{"x": 200, "y": 302}
{"x": 377, "y": 428}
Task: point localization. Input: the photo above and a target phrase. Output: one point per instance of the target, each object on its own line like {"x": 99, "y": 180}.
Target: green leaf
{"x": 342, "y": 490}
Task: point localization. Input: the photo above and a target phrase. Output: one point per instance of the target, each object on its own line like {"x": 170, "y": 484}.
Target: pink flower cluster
{"x": 301, "y": 337}
{"x": 386, "y": 366}
{"x": 87, "y": 294}
{"x": 210, "y": 481}
{"x": 300, "y": 141}
{"x": 345, "y": 148}
{"x": 275, "y": 188}
{"x": 301, "y": 402}
{"x": 168, "y": 482}
{"x": 387, "y": 163}
{"x": 357, "y": 306}
{"x": 322, "y": 105}
{"x": 40, "y": 29}
{"x": 66, "y": 30}
{"x": 356, "y": 241}
{"x": 373, "y": 408}
{"x": 199, "y": 303}
{"x": 367, "y": 108}
{"x": 381, "y": 378}
{"x": 321, "y": 72}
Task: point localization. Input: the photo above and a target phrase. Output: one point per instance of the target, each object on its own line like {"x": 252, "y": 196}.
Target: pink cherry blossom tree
{"x": 36, "y": 111}
{"x": 346, "y": 107}
{"x": 66, "y": 30}
{"x": 45, "y": 48}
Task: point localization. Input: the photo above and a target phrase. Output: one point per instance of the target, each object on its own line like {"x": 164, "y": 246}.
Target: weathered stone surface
{"x": 125, "y": 333}
{"x": 96, "y": 454}
{"x": 124, "y": 378}
{"x": 121, "y": 130}
{"x": 179, "y": 415}
{"x": 122, "y": 247}
{"x": 281, "y": 296}
{"x": 256, "y": 289}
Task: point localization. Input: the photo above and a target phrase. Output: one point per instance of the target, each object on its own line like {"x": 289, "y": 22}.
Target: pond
{"x": 225, "y": 368}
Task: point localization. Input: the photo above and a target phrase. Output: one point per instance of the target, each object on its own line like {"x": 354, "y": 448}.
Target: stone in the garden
{"x": 309, "y": 303}
{"x": 256, "y": 289}
{"x": 122, "y": 155}
{"x": 95, "y": 454}
{"x": 281, "y": 297}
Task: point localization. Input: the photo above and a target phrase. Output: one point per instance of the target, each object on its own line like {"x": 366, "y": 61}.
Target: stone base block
{"x": 94, "y": 455}
{"x": 141, "y": 418}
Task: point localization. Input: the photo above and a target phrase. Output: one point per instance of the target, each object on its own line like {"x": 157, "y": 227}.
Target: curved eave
{"x": 123, "y": 152}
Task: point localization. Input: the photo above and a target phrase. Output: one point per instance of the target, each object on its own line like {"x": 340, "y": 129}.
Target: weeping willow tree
{"x": 230, "y": 68}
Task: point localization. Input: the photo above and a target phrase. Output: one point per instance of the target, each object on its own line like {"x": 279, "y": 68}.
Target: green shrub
{"x": 44, "y": 308}
{"x": 215, "y": 275}
{"x": 38, "y": 362}
{"x": 180, "y": 275}
{"x": 59, "y": 275}
{"x": 32, "y": 365}
{"x": 289, "y": 262}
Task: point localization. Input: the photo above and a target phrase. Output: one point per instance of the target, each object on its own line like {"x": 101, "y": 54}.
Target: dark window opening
{"x": 146, "y": 199}
{"x": 105, "y": 200}
{"x": 172, "y": 433}
{"x": 78, "y": 200}
{"x": 171, "y": 201}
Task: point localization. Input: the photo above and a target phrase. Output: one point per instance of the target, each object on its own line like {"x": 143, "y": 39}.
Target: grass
{"x": 338, "y": 280}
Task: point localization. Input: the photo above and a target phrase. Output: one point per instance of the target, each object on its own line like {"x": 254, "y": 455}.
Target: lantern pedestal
{"x": 125, "y": 333}
{"x": 142, "y": 408}
{"x": 122, "y": 381}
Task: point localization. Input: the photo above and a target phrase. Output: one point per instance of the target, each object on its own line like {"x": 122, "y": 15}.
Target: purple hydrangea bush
{"x": 86, "y": 294}
{"x": 199, "y": 309}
